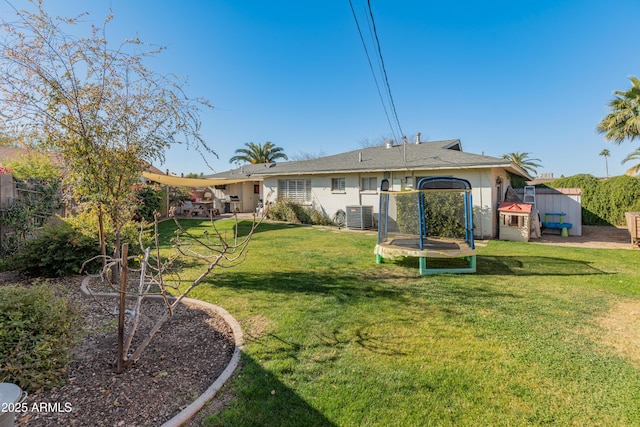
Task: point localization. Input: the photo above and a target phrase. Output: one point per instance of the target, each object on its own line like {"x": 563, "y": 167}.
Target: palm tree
{"x": 624, "y": 120}
{"x": 258, "y": 153}
{"x": 523, "y": 160}
{"x": 605, "y": 153}
{"x": 634, "y": 170}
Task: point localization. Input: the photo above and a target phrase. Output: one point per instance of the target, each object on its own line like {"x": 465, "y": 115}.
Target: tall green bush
{"x": 407, "y": 207}
{"x": 604, "y": 202}
{"x": 36, "y": 336}
{"x": 615, "y": 196}
{"x": 444, "y": 213}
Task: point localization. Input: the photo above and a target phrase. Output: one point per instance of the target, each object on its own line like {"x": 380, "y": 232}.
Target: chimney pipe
{"x": 388, "y": 143}
{"x": 360, "y": 156}
{"x": 418, "y": 138}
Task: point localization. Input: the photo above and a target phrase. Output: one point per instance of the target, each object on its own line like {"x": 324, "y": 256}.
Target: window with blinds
{"x": 297, "y": 190}
{"x": 369, "y": 184}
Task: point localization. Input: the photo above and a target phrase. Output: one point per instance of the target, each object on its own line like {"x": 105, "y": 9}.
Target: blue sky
{"x": 501, "y": 76}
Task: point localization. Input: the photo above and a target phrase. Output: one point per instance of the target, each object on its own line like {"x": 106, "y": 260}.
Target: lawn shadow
{"x": 331, "y": 284}
{"x": 261, "y": 399}
{"x": 514, "y": 265}
{"x": 167, "y": 228}
{"x": 534, "y": 266}
{"x": 362, "y": 337}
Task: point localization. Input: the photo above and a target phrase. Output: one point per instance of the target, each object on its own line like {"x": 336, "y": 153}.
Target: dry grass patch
{"x": 256, "y": 326}
{"x": 621, "y": 325}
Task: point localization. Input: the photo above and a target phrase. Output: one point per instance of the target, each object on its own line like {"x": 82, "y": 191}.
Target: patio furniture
{"x": 558, "y": 225}
{"x": 187, "y": 208}
{"x": 633, "y": 224}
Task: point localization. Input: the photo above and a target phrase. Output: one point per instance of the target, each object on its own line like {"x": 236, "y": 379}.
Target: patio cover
{"x": 177, "y": 181}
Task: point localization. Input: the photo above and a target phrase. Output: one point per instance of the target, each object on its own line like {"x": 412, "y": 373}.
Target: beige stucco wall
{"x": 485, "y": 192}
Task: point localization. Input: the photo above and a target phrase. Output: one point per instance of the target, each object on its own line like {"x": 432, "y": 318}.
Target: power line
{"x": 384, "y": 70}
{"x": 364, "y": 44}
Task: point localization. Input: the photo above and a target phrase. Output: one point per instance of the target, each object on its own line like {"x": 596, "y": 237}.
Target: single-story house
{"x": 330, "y": 184}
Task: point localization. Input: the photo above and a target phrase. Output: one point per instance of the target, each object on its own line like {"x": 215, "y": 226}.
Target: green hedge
{"x": 604, "y": 202}
{"x": 59, "y": 250}
{"x": 290, "y": 211}
{"x": 444, "y": 213}
{"x": 36, "y": 336}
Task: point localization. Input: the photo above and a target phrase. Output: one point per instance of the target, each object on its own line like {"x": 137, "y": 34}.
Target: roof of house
{"x": 436, "y": 155}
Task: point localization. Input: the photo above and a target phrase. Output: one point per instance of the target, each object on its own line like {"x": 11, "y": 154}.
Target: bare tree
{"x": 368, "y": 143}
{"x": 305, "y": 155}
{"x": 96, "y": 104}
{"x": 158, "y": 276}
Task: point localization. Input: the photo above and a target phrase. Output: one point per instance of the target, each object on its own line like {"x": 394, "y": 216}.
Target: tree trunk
{"x": 120, "y": 364}
{"x": 103, "y": 244}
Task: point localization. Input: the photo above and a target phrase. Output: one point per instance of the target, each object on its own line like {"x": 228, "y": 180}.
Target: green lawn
{"x": 334, "y": 339}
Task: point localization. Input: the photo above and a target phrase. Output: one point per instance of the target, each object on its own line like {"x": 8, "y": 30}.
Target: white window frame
{"x": 341, "y": 186}
{"x": 368, "y": 188}
{"x": 296, "y": 190}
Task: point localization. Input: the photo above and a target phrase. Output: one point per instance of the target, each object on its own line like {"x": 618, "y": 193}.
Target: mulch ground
{"x": 184, "y": 359}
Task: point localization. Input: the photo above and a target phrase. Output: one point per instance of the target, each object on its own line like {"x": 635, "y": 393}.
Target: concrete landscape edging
{"x": 190, "y": 411}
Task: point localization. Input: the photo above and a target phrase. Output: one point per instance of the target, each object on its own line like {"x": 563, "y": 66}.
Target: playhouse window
{"x": 514, "y": 220}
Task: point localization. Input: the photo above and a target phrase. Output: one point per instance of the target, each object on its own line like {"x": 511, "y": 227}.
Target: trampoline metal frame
{"x": 466, "y": 248}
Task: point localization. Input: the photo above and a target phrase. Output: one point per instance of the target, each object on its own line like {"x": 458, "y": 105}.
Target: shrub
{"x": 290, "y": 211}
{"x": 34, "y": 165}
{"x": 36, "y": 336}
{"x": 615, "y": 196}
{"x": 38, "y": 203}
{"x": 59, "y": 250}
{"x": 443, "y": 212}
{"x": 149, "y": 202}
{"x": 318, "y": 218}
{"x": 604, "y": 202}
{"x": 87, "y": 223}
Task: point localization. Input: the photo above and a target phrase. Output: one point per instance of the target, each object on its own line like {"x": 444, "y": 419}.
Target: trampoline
{"x": 433, "y": 223}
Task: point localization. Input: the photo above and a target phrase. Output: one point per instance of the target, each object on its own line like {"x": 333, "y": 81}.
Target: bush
{"x": 615, "y": 196}
{"x": 59, "y": 250}
{"x": 28, "y": 212}
{"x": 443, "y": 213}
{"x": 289, "y": 211}
{"x": 317, "y": 218}
{"x": 149, "y": 202}
{"x": 604, "y": 202}
{"x": 87, "y": 223}
{"x": 36, "y": 336}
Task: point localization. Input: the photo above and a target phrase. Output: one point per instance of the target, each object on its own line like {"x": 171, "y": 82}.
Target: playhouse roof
{"x": 515, "y": 207}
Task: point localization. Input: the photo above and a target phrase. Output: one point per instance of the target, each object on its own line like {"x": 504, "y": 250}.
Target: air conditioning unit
{"x": 360, "y": 217}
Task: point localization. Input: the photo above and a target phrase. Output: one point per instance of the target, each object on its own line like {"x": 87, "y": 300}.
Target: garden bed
{"x": 187, "y": 355}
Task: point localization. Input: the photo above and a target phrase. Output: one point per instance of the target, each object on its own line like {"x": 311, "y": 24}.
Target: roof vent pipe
{"x": 418, "y": 138}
